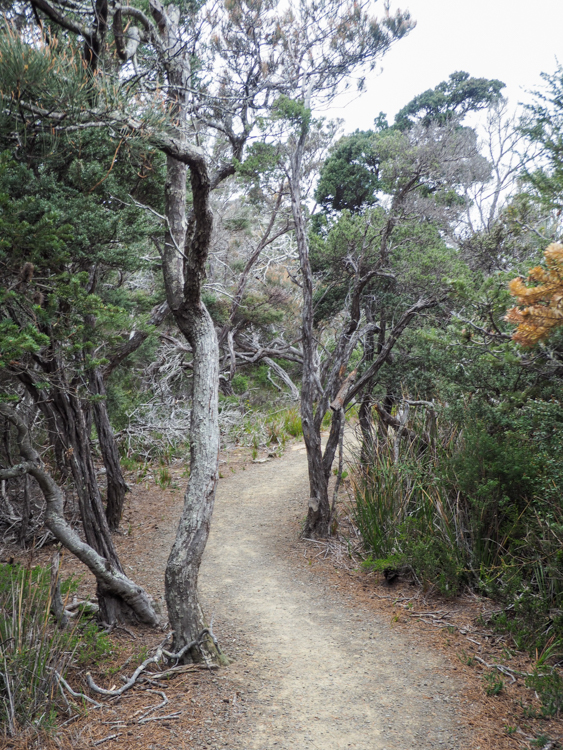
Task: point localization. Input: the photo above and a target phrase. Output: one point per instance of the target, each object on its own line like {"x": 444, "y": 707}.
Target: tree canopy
{"x": 450, "y": 100}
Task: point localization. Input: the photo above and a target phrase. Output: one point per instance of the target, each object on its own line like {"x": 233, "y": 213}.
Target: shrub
{"x": 240, "y": 384}
{"x": 482, "y": 508}
{"x": 164, "y": 477}
{"x": 494, "y": 685}
{"x": 33, "y": 649}
{"x": 408, "y": 523}
{"x": 292, "y": 422}
{"x": 549, "y": 686}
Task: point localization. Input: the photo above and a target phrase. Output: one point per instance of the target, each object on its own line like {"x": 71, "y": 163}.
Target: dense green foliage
{"x": 467, "y": 492}
{"x": 66, "y": 244}
{"x": 544, "y": 127}
{"x": 451, "y": 99}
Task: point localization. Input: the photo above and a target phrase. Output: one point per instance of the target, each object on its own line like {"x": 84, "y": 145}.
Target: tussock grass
{"x": 33, "y": 649}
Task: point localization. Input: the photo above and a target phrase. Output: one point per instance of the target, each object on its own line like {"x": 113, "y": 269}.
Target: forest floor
{"x": 323, "y": 654}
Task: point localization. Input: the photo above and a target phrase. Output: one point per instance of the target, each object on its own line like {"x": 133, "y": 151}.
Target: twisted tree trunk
{"x": 185, "y": 253}
{"x": 184, "y": 610}
{"x": 115, "y": 586}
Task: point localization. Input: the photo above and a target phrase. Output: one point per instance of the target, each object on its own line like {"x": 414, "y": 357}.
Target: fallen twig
{"x": 501, "y": 668}
{"x": 154, "y": 708}
{"x": 106, "y": 739}
{"x": 473, "y": 641}
{"x": 175, "y": 715}
{"x": 130, "y": 682}
{"x": 160, "y": 652}
{"x": 69, "y": 721}
{"x": 435, "y": 624}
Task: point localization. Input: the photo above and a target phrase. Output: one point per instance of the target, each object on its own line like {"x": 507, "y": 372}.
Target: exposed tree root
{"x": 156, "y": 659}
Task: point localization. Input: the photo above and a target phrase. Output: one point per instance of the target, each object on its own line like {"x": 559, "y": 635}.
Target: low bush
{"x": 481, "y": 508}
{"x": 407, "y": 523}
{"x": 240, "y": 384}
{"x": 548, "y": 684}
{"x": 292, "y": 422}
{"x": 34, "y": 650}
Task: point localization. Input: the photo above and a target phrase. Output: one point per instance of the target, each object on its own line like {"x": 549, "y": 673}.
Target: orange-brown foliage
{"x": 540, "y": 307}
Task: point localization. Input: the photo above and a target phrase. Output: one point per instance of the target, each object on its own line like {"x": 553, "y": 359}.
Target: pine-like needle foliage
{"x": 540, "y": 307}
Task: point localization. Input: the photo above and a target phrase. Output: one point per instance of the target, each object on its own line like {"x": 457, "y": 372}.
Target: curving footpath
{"x": 317, "y": 670}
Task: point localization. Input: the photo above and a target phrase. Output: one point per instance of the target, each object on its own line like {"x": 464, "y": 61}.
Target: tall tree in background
{"x": 450, "y": 100}
{"x": 420, "y": 171}
{"x": 318, "y": 79}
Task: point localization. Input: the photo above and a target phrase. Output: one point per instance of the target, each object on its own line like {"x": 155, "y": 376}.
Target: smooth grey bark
{"x": 184, "y": 274}
{"x": 183, "y": 289}
{"x": 110, "y": 577}
{"x": 185, "y": 252}
{"x": 365, "y": 415}
{"x": 184, "y": 610}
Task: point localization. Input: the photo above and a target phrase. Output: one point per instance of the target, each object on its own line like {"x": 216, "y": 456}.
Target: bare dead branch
{"x": 340, "y": 399}
{"x": 106, "y": 739}
{"x": 82, "y": 696}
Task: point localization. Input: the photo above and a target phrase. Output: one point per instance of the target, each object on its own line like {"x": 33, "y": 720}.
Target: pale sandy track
{"x": 317, "y": 670}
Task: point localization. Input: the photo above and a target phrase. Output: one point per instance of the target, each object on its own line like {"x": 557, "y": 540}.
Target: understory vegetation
{"x": 37, "y": 654}
{"x": 475, "y": 511}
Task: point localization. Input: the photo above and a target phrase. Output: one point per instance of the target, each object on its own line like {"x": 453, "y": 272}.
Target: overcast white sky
{"x": 511, "y": 40}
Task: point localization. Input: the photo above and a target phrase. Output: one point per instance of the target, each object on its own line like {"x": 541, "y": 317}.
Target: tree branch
{"x": 61, "y": 20}
{"x": 158, "y": 315}
{"x": 422, "y": 304}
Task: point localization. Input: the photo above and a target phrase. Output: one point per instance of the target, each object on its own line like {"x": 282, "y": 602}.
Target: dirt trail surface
{"x": 321, "y": 660}
{"x": 314, "y": 668}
